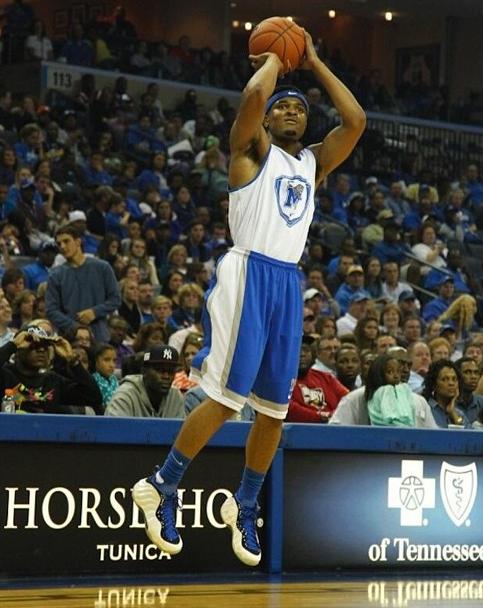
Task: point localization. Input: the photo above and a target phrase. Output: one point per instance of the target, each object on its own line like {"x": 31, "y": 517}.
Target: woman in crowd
{"x": 139, "y": 257}
{"x": 441, "y": 390}
{"x": 162, "y": 309}
{"x": 366, "y": 333}
{"x": 439, "y": 348}
{"x": 373, "y": 277}
{"x": 172, "y": 284}
{"x": 23, "y": 308}
{"x": 390, "y": 320}
{"x": 129, "y": 309}
{"x": 191, "y": 346}
{"x": 190, "y": 299}
{"x": 429, "y": 249}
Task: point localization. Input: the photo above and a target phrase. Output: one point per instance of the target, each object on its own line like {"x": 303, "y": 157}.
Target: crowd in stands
{"x": 112, "y": 42}
{"x": 113, "y": 215}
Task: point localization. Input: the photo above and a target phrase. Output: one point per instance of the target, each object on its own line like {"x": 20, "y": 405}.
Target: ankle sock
{"x": 169, "y": 475}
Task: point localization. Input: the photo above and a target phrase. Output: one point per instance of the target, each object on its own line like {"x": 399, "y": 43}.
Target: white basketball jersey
{"x": 272, "y": 213}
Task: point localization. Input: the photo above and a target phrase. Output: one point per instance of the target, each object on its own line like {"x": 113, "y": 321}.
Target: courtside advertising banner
{"x": 66, "y": 509}
{"x": 382, "y": 510}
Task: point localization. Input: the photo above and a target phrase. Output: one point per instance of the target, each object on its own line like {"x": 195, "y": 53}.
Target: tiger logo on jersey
{"x": 293, "y": 196}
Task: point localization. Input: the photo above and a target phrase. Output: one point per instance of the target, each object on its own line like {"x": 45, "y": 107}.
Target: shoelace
{"x": 168, "y": 508}
{"x": 248, "y": 520}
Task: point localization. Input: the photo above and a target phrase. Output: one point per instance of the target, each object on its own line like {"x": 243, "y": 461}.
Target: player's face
{"x": 287, "y": 119}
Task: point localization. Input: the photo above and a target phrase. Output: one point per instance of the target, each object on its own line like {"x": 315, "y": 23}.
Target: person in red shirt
{"x": 316, "y": 394}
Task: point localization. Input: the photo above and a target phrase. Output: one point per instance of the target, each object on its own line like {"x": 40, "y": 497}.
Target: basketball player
{"x": 253, "y": 317}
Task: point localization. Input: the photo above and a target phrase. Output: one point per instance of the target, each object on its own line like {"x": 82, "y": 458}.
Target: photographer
{"x": 36, "y": 388}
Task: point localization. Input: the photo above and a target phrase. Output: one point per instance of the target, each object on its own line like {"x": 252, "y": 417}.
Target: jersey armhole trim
{"x": 262, "y": 165}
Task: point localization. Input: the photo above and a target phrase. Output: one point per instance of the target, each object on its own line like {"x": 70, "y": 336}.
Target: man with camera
{"x": 37, "y": 389}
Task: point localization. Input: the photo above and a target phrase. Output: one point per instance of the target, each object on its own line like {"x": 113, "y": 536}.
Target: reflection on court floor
{"x": 444, "y": 592}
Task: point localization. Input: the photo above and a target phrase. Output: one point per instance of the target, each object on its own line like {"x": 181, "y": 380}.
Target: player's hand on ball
{"x": 258, "y": 60}
{"x": 310, "y": 53}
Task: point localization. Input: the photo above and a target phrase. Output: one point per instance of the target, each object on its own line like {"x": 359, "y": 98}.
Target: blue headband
{"x": 286, "y": 93}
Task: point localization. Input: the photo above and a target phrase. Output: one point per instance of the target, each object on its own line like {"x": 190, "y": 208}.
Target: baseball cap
{"x": 385, "y": 214}
{"x": 406, "y": 295}
{"x": 355, "y": 195}
{"x": 372, "y": 179}
{"x": 447, "y": 326}
{"x": 48, "y": 246}
{"x": 311, "y": 293}
{"x": 28, "y": 182}
{"x": 399, "y": 352}
{"x": 445, "y": 278}
{"x": 161, "y": 354}
{"x": 355, "y": 268}
{"x": 359, "y": 296}
{"x": 77, "y": 215}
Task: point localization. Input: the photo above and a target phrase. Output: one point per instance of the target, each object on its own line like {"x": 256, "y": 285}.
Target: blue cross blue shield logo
{"x": 293, "y": 196}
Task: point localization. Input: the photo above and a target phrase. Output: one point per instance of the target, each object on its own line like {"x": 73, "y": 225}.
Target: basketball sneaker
{"x": 243, "y": 523}
{"x": 159, "y": 512}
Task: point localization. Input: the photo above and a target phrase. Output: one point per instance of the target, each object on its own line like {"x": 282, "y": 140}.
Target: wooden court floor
{"x": 405, "y": 593}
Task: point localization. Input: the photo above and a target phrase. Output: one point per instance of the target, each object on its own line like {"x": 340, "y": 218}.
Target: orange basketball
{"x": 281, "y": 36}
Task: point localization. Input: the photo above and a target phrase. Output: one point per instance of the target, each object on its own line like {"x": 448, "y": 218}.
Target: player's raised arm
{"x": 248, "y": 128}
{"x": 340, "y": 142}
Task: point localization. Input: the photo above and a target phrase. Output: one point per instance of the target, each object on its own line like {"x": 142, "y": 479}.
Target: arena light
{"x": 332, "y": 14}
{"x": 388, "y": 16}
{"x": 248, "y": 26}
{"x": 235, "y": 23}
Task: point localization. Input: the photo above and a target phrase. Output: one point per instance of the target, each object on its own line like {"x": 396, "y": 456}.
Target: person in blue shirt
{"x": 38, "y": 271}
{"x": 441, "y": 390}
{"x": 141, "y": 139}
{"x": 29, "y": 149}
{"x": 468, "y": 402}
{"x": 436, "y": 307}
{"x": 390, "y": 249}
{"x": 95, "y": 174}
{"x": 354, "y": 282}
{"x": 454, "y": 269}
{"x": 154, "y": 176}
{"x": 77, "y": 50}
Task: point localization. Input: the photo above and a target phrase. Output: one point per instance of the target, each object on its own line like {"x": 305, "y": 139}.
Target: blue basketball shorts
{"x": 253, "y": 329}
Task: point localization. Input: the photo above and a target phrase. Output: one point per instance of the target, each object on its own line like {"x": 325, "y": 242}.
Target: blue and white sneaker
{"x": 243, "y": 523}
{"x": 159, "y": 512}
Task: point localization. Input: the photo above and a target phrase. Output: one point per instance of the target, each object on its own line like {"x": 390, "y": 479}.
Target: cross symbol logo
{"x": 411, "y": 493}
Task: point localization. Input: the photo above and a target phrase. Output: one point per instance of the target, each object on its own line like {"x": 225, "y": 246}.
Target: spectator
{"x": 357, "y": 309}
{"x": 129, "y": 309}
{"x": 325, "y": 352}
{"x": 439, "y": 348}
{"x": 139, "y": 257}
{"x": 38, "y": 272}
{"x": 150, "y": 394}
{"x": 366, "y": 333}
{"x": 454, "y": 268}
{"x": 190, "y": 300}
{"x": 105, "y": 365}
{"x": 38, "y": 45}
{"x": 118, "y": 329}
{"x": 6, "y": 333}
{"x": 316, "y": 394}
{"x": 384, "y": 342}
{"x": 83, "y": 290}
{"x": 420, "y": 362}
{"x": 392, "y": 287}
{"x": 468, "y": 402}
{"x": 441, "y": 389}
{"x": 348, "y": 366}
{"x": 412, "y": 330}
{"x": 373, "y": 277}
{"x": 191, "y": 346}
{"x": 354, "y": 283}
{"x": 437, "y": 306}
{"x": 23, "y": 308}
{"x": 391, "y": 318}
{"x": 13, "y": 282}
{"x": 429, "y": 249}
{"x": 77, "y": 50}
{"x": 39, "y": 391}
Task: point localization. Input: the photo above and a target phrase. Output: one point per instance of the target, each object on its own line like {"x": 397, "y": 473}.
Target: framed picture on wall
{"x": 78, "y": 13}
{"x": 95, "y": 11}
{"x": 418, "y": 65}
{"x": 61, "y": 21}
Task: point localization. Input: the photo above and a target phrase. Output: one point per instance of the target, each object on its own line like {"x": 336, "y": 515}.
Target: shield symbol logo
{"x": 458, "y": 490}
